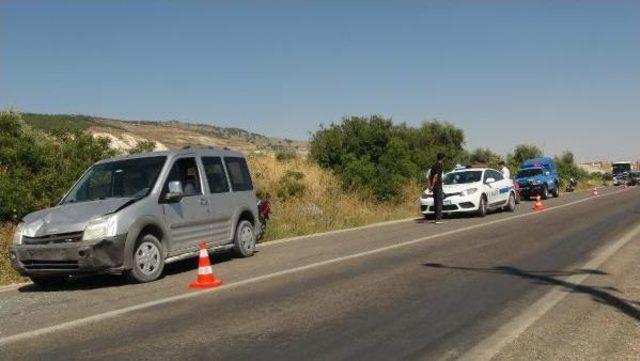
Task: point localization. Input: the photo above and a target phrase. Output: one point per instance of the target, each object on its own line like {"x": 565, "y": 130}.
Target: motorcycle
{"x": 264, "y": 211}
{"x": 573, "y": 184}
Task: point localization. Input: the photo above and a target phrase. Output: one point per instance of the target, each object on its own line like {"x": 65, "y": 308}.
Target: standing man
{"x": 435, "y": 186}
{"x": 505, "y": 171}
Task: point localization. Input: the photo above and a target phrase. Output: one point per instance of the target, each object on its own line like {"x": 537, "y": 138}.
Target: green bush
{"x": 284, "y": 155}
{"x": 289, "y": 185}
{"x": 143, "y": 147}
{"x": 567, "y": 169}
{"x": 521, "y": 153}
{"x": 37, "y": 168}
{"x": 373, "y": 155}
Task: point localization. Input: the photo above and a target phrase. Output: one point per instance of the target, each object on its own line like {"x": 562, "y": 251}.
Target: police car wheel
{"x": 482, "y": 208}
{"x": 511, "y": 204}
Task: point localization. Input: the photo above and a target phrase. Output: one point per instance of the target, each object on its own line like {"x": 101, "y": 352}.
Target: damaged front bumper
{"x": 69, "y": 258}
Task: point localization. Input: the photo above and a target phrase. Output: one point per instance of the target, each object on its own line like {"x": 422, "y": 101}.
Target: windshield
{"x": 621, "y": 168}
{"x": 531, "y": 172}
{"x": 130, "y": 178}
{"x": 463, "y": 177}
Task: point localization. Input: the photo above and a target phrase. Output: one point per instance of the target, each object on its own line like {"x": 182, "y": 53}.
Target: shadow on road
{"x": 89, "y": 282}
{"x": 550, "y": 278}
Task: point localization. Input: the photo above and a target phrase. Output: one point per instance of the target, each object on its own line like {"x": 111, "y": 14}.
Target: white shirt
{"x": 506, "y": 173}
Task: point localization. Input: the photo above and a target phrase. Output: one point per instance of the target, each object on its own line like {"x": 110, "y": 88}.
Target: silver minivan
{"x": 134, "y": 214}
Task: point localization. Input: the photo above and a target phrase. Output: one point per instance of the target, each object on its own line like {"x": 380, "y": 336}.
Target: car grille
{"x": 54, "y": 238}
{"x": 451, "y": 207}
{"x": 48, "y": 265}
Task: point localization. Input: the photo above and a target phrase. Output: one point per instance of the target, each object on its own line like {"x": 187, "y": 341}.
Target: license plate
{"x": 446, "y": 202}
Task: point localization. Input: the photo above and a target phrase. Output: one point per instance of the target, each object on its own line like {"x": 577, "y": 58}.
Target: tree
{"x": 373, "y": 155}
{"x": 521, "y": 153}
{"x": 485, "y": 156}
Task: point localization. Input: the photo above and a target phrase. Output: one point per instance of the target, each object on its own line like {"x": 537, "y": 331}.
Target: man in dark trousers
{"x": 435, "y": 185}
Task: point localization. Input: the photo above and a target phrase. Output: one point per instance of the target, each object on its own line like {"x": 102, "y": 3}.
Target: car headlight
{"x": 536, "y": 183}
{"x": 102, "y": 227}
{"x": 17, "y": 236}
{"x": 468, "y": 192}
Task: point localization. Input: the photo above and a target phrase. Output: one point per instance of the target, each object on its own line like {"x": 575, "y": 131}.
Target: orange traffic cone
{"x": 206, "y": 278}
{"x": 538, "y": 206}
{"x": 595, "y": 191}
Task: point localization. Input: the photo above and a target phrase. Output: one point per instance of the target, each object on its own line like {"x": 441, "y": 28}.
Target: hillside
{"x": 126, "y": 134}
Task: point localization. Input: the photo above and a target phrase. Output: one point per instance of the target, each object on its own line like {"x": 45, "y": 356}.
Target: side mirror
{"x": 490, "y": 180}
{"x": 175, "y": 193}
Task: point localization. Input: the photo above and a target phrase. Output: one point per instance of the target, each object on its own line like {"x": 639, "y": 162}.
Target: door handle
{"x": 203, "y": 201}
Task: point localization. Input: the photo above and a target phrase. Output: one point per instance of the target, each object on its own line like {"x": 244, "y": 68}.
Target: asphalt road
{"x": 408, "y": 290}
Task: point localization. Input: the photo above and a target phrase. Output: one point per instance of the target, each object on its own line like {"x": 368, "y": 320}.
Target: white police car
{"x": 472, "y": 190}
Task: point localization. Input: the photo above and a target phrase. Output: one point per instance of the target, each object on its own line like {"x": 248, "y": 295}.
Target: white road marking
{"x": 119, "y": 312}
{"x": 372, "y": 225}
{"x": 491, "y": 346}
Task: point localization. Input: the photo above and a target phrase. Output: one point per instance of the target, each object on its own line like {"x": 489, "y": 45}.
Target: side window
{"x": 497, "y": 175}
{"x": 486, "y": 176}
{"x": 185, "y": 170}
{"x": 215, "y": 174}
{"x": 239, "y": 174}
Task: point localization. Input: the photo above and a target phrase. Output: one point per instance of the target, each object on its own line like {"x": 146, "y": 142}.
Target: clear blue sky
{"x": 560, "y": 74}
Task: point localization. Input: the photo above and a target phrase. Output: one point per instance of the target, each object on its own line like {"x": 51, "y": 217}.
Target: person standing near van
{"x": 505, "y": 170}
{"x": 435, "y": 186}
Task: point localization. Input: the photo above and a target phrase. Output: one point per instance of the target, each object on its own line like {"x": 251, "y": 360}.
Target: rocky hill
{"x": 166, "y": 134}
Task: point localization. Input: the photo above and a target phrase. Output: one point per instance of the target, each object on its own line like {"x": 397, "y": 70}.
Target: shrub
{"x": 284, "y": 155}
{"x": 143, "y": 147}
{"x": 290, "y": 186}
{"x": 521, "y": 153}
{"x": 372, "y": 155}
{"x": 37, "y": 168}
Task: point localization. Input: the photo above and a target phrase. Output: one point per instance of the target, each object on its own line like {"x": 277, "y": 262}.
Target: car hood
{"x": 70, "y": 217}
{"x": 457, "y": 188}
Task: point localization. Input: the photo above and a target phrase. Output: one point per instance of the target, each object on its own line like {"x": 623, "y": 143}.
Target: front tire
{"x": 147, "y": 260}
{"x": 556, "y": 191}
{"x": 244, "y": 243}
{"x": 482, "y": 208}
{"x": 545, "y": 193}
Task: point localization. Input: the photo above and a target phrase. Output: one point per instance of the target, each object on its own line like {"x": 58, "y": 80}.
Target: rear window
{"x": 531, "y": 172}
{"x": 238, "y": 174}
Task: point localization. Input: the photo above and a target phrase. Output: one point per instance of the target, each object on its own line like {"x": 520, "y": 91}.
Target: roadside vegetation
{"x": 359, "y": 171}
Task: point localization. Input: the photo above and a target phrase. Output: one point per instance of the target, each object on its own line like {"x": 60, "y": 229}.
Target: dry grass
{"x": 324, "y": 205}
{"x": 7, "y": 273}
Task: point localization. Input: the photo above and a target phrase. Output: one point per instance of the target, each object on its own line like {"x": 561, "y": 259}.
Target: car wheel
{"x": 511, "y": 204}
{"x": 545, "y": 192}
{"x": 482, "y": 208}
{"x": 244, "y": 243}
{"x": 147, "y": 260}
{"x": 556, "y": 191}
{"x": 49, "y": 282}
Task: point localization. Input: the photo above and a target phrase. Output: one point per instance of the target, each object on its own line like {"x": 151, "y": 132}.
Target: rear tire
{"x": 244, "y": 243}
{"x": 482, "y": 208}
{"x": 49, "y": 282}
{"x": 147, "y": 260}
{"x": 556, "y": 191}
